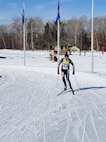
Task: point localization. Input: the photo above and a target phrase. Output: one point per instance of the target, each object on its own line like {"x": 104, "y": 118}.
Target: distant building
{"x": 64, "y": 46}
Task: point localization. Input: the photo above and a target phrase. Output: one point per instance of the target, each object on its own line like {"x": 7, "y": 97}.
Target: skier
{"x": 66, "y": 61}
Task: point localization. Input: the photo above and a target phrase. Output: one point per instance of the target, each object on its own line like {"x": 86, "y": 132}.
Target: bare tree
{"x": 34, "y": 28}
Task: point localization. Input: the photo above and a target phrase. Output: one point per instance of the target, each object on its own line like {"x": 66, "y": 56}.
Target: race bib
{"x": 65, "y": 67}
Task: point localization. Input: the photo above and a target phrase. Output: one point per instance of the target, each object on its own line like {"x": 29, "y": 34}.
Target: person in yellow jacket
{"x": 65, "y": 68}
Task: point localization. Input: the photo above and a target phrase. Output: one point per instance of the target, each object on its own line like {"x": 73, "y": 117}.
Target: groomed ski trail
{"x": 33, "y": 112}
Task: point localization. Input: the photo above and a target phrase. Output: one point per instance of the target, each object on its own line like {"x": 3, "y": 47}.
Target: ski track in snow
{"x": 30, "y": 111}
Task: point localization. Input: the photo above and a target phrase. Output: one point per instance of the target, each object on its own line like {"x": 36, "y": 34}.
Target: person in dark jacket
{"x": 65, "y": 69}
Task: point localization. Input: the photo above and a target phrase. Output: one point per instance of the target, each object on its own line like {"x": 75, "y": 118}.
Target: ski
{"x": 65, "y": 91}
{"x": 61, "y": 92}
{"x": 73, "y": 92}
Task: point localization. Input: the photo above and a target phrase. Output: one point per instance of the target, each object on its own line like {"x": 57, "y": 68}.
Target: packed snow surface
{"x": 31, "y": 111}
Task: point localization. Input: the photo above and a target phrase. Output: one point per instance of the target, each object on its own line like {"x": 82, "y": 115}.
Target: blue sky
{"x": 47, "y": 9}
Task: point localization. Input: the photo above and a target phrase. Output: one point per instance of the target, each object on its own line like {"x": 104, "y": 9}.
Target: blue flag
{"x": 23, "y": 17}
{"x": 58, "y": 11}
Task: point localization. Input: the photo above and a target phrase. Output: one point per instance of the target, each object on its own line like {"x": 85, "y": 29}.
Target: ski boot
{"x": 65, "y": 88}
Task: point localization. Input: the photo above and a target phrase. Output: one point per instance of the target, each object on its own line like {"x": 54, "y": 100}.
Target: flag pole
{"x": 58, "y": 28}
{"x": 92, "y": 36}
{"x": 23, "y": 22}
{"x": 24, "y": 45}
{"x": 58, "y": 38}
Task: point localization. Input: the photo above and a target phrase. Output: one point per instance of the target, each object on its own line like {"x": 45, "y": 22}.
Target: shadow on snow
{"x": 87, "y": 88}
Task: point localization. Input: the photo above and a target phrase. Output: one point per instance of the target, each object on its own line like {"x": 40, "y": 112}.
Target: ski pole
{"x": 77, "y": 82}
{"x": 57, "y": 80}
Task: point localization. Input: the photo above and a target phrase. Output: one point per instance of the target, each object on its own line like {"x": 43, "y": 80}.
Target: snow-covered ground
{"x": 31, "y": 111}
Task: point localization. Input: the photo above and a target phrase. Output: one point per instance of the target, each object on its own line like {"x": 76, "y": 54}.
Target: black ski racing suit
{"x": 65, "y": 68}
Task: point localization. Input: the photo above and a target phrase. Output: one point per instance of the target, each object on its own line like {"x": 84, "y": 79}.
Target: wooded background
{"x": 41, "y": 36}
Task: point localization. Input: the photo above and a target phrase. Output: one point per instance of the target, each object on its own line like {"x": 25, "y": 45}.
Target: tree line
{"x": 41, "y": 36}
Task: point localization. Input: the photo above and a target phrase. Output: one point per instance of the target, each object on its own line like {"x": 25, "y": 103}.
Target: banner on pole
{"x": 58, "y": 11}
{"x": 23, "y": 15}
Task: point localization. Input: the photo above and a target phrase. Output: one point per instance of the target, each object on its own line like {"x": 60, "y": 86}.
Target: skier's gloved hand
{"x": 73, "y": 73}
{"x": 58, "y": 71}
